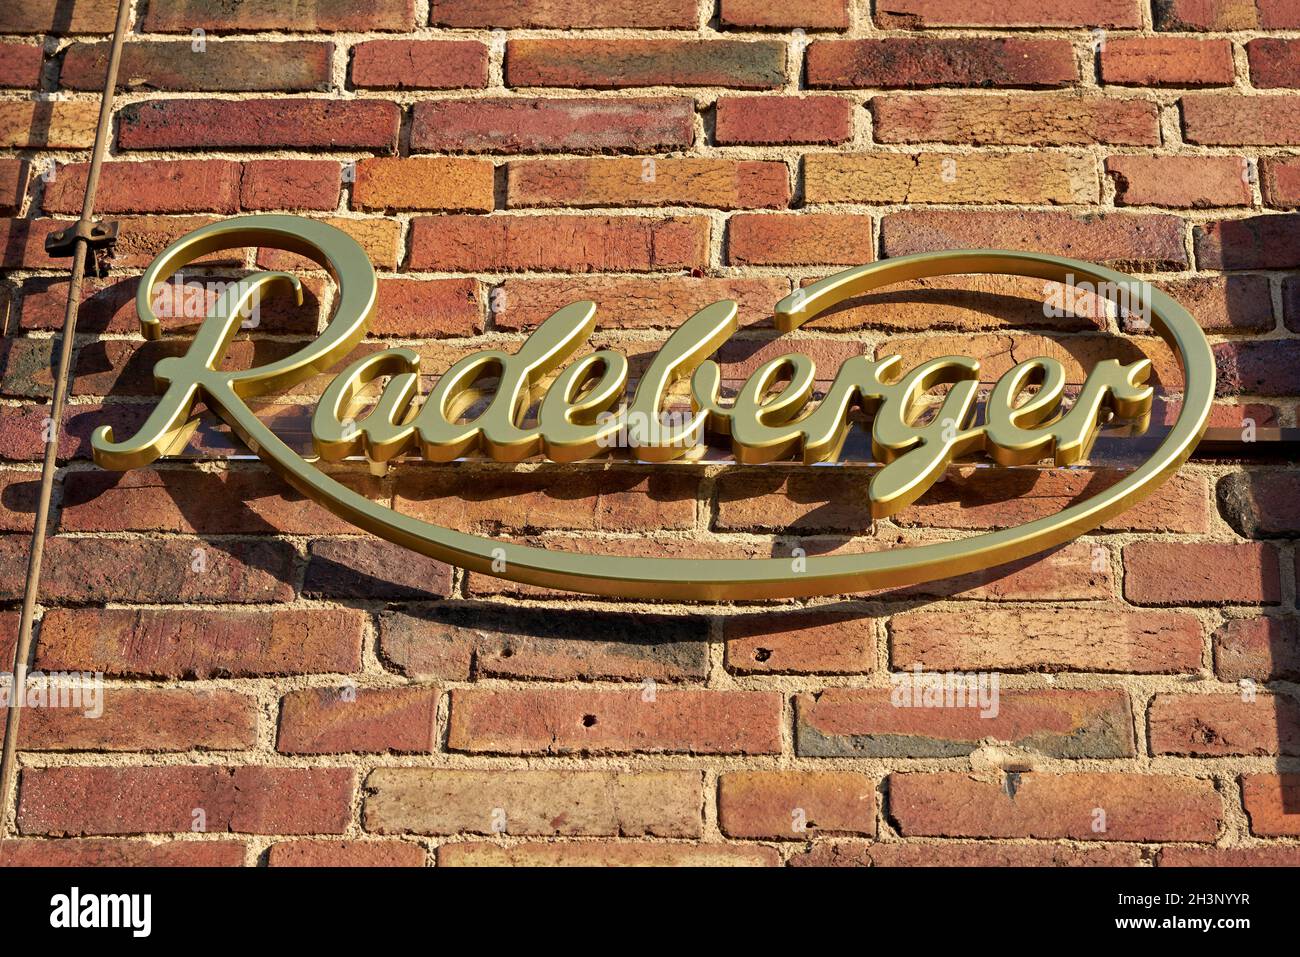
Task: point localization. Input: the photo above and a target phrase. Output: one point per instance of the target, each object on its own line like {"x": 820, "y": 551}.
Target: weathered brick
{"x": 423, "y": 182}
{"x": 802, "y": 14}
{"x": 741, "y": 64}
{"x": 935, "y": 177}
{"x": 152, "y": 186}
{"x": 290, "y": 184}
{"x": 21, "y": 65}
{"x": 909, "y": 14}
{"x": 427, "y": 308}
{"x": 921, "y": 62}
{"x": 279, "y": 123}
{"x": 310, "y": 16}
{"x": 1046, "y": 639}
{"x": 462, "y": 641}
{"x": 13, "y": 185}
{"x": 235, "y": 66}
{"x": 121, "y": 853}
{"x": 565, "y": 721}
{"x": 559, "y": 243}
{"x": 1272, "y": 803}
{"x": 964, "y": 854}
{"x": 632, "y": 303}
{"x": 800, "y": 642}
{"x": 142, "y": 800}
{"x": 348, "y": 719}
{"x": 380, "y": 238}
{"x": 1125, "y": 241}
{"x": 606, "y": 854}
{"x": 1221, "y": 15}
{"x": 192, "y": 643}
{"x": 53, "y": 16}
{"x": 1261, "y": 648}
{"x": 782, "y": 120}
{"x": 1257, "y": 367}
{"x": 717, "y": 183}
{"x": 1070, "y": 573}
{"x": 885, "y": 722}
{"x": 1180, "y": 573}
{"x": 372, "y": 568}
{"x": 1217, "y": 725}
{"x": 1037, "y": 804}
{"x": 511, "y": 14}
{"x": 1197, "y": 181}
{"x": 1230, "y": 119}
{"x": 796, "y": 805}
{"x": 1274, "y": 62}
{"x": 1280, "y": 181}
{"x": 46, "y": 124}
{"x": 26, "y": 367}
{"x": 151, "y": 570}
{"x": 640, "y": 804}
{"x": 799, "y": 239}
{"x": 1256, "y": 242}
{"x": 1028, "y": 119}
{"x": 345, "y": 854}
{"x": 1264, "y": 856}
{"x": 1165, "y": 61}
{"x": 1261, "y": 503}
{"x": 419, "y": 64}
{"x": 570, "y": 125}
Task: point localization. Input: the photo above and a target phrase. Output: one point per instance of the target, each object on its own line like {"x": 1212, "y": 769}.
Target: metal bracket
{"x": 101, "y": 238}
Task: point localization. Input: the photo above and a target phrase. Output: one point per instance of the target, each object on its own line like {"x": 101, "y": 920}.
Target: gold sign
{"x": 477, "y": 407}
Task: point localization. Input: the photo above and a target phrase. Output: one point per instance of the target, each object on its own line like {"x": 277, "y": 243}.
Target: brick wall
{"x": 491, "y": 156}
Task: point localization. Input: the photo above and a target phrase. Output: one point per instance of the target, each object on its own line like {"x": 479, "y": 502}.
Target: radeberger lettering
{"x": 480, "y": 406}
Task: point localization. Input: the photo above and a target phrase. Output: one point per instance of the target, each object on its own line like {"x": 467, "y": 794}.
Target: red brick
{"x": 111, "y": 853}
{"x": 1272, "y": 803}
{"x": 182, "y": 16}
{"x": 1165, "y": 61}
{"x": 1178, "y": 573}
{"x": 1197, "y": 181}
{"x": 427, "y": 308}
{"x": 589, "y": 721}
{"x": 801, "y": 14}
{"x": 48, "y": 124}
{"x": 423, "y": 182}
{"x": 1271, "y": 855}
{"x": 13, "y": 185}
{"x": 799, "y": 239}
{"x": 1065, "y": 574}
{"x": 1258, "y": 367}
{"x": 152, "y": 186}
{"x": 282, "y": 122}
{"x": 1124, "y": 241}
{"x": 559, "y": 243}
{"x": 151, "y": 570}
{"x": 799, "y": 642}
{"x": 1261, "y": 503}
{"x": 1219, "y": 725}
{"x": 142, "y": 719}
{"x": 372, "y": 568}
{"x": 460, "y": 641}
{"x": 236, "y": 66}
{"x": 381, "y": 238}
{"x": 141, "y": 800}
{"x": 796, "y": 805}
{"x": 606, "y": 854}
{"x": 1037, "y": 804}
{"x": 511, "y": 14}
{"x": 1043, "y": 119}
{"x": 1231, "y": 119}
{"x": 290, "y": 184}
{"x": 419, "y": 64}
{"x": 718, "y": 183}
{"x": 1256, "y": 242}
{"x": 1266, "y": 649}
{"x": 857, "y": 723}
{"x": 964, "y": 854}
{"x": 18, "y": 492}
{"x": 910, "y": 14}
{"x": 1280, "y": 181}
{"x": 370, "y": 720}
{"x": 570, "y": 125}
{"x": 609, "y": 64}
{"x": 782, "y": 120}
{"x": 22, "y": 431}
{"x": 345, "y": 854}
{"x": 1046, "y": 639}
{"x": 20, "y": 66}
{"x": 54, "y": 16}
{"x": 1274, "y": 62}
{"x": 559, "y": 802}
{"x": 1223, "y": 15}
{"x": 193, "y": 643}
{"x": 922, "y": 62}
{"x": 632, "y": 303}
